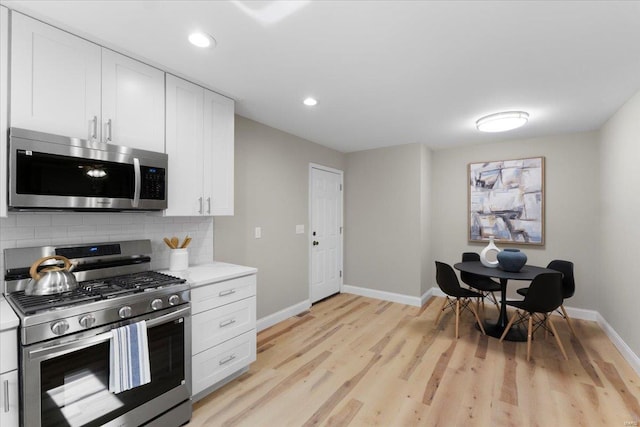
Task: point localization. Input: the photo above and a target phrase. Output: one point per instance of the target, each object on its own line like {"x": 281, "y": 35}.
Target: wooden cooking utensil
{"x": 175, "y": 242}
{"x": 186, "y": 242}
{"x": 168, "y": 242}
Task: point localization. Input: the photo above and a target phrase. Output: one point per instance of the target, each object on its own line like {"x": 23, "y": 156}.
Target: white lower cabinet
{"x": 223, "y": 338}
{"x": 9, "y": 410}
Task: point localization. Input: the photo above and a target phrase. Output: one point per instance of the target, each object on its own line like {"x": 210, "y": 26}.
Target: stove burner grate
{"x": 94, "y": 290}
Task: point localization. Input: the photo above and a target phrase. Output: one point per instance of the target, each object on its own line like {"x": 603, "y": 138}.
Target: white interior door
{"x": 326, "y": 232}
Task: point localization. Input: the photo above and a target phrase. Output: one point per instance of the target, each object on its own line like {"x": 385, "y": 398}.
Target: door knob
{"x": 315, "y": 243}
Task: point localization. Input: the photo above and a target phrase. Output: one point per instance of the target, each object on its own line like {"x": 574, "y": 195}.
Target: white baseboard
{"x": 582, "y": 314}
{"x": 383, "y": 295}
{"x": 270, "y": 320}
{"x": 617, "y": 340}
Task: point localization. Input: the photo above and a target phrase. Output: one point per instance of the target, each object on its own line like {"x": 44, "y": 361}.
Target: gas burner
{"x": 95, "y": 290}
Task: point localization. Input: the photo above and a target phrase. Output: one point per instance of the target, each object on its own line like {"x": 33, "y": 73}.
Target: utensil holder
{"x": 178, "y": 259}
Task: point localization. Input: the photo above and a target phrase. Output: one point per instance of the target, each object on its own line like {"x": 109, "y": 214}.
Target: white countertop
{"x": 204, "y": 274}
{"x": 8, "y": 319}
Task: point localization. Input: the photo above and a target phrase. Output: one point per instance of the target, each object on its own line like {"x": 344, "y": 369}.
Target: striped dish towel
{"x": 129, "y": 358}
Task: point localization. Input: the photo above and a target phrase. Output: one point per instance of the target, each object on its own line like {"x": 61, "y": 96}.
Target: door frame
{"x": 310, "y": 219}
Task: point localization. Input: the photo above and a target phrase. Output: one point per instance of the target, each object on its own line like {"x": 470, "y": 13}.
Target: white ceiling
{"x": 385, "y": 72}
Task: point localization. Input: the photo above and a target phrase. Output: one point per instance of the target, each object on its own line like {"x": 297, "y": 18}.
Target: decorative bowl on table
{"x": 511, "y": 260}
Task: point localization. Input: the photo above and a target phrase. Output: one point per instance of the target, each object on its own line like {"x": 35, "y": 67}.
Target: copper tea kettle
{"x": 51, "y": 279}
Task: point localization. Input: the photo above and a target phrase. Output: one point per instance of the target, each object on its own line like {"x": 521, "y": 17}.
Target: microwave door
{"x": 45, "y": 180}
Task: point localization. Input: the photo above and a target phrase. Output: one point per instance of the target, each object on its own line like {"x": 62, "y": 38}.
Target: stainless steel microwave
{"x": 52, "y": 172}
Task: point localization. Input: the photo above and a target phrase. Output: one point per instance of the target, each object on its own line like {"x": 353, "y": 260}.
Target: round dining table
{"x": 528, "y": 273}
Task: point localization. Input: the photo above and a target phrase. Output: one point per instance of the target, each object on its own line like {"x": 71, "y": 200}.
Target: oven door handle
{"x": 79, "y": 344}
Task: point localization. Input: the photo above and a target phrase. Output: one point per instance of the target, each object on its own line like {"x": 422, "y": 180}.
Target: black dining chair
{"x": 568, "y": 286}
{"x": 456, "y": 297}
{"x": 543, "y": 296}
{"x": 485, "y": 285}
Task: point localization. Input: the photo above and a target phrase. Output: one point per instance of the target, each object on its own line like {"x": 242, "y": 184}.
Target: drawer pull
{"x": 6, "y": 395}
{"x": 227, "y": 360}
{"x": 227, "y": 322}
{"x": 227, "y": 292}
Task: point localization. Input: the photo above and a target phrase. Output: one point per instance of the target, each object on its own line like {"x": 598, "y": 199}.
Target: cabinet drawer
{"x": 218, "y": 325}
{"x": 8, "y": 350}
{"x": 216, "y": 294}
{"x": 217, "y": 363}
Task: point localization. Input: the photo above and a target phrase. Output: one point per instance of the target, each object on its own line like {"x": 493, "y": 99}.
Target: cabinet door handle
{"x": 227, "y": 360}
{"x": 227, "y": 292}
{"x": 94, "y": 133}
{"x": 209, "y": 205}
{"x": 6, "y": 395}
{"x": 227, "y": 322}
{"x": 109, "y": 135}
{"x": 200, "y": 210}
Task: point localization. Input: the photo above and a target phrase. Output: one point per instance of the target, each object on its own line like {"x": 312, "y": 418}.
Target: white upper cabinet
{"x": 4, "y": 104}
{"x": 184, "y": 147}
{"x": 55, "y": 80}
{"x": 200, "y": 145}
{"x": 132, "y": 103}
{"x": 65, "y": 85}
{"x": 219, "y": 139}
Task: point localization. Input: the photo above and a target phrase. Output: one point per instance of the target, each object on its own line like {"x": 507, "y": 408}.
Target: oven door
{"x": 67, "y": 383}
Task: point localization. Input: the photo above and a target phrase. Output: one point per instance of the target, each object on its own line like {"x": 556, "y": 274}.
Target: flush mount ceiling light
{"x": 501, "y": 122}
{"x": 310, "y": 102}
{"x": 201, "y": 39}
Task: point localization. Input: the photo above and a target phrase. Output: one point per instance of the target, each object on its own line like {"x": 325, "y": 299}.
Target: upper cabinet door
{"x": 4, "y": 104}
{"x": 132, "y": 103}
{"x": 55, "y": 80}
{"x": 184, "y": 147}
{"x": 219, "y": 140}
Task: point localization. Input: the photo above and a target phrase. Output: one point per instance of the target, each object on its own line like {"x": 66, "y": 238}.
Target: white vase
{"x": 491, "y": 247}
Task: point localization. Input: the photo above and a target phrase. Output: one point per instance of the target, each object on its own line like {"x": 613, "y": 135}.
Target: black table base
{"x": 516, "y": 333}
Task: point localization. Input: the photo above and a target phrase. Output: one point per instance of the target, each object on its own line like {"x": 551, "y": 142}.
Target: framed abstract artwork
{"x": 506, "y": 201}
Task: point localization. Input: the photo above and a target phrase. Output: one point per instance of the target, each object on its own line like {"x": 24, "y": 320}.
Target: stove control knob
{"x": 87, "y": 321}
{"x": 174, "y": 299}
{"x": 60, "y": 327}
{"x": 156, "y": 304}
{"x": 124, "y": 312}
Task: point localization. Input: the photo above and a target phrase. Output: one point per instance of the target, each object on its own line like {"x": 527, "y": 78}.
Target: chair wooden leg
{"x": 475, "y": 313}
{"x": 529, "y": 332}
{"x": 555, "y": 334}
{"x": 564, "y": 312}
{"x": 457, "y": 315}
{"x": 495, "y": 300}
{"x": 506, "y": 330}
{"x": 446, "y": 299}
{"x": 546, "y": 321}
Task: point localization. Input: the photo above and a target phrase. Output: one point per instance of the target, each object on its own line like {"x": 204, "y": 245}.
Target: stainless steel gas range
{"x": 65, "y": 338}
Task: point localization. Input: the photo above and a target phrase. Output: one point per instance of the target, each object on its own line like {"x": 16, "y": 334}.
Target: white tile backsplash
{"x": 38, "y": 229}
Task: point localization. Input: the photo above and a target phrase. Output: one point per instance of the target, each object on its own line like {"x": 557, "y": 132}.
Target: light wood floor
{"x": 359, "y": 361}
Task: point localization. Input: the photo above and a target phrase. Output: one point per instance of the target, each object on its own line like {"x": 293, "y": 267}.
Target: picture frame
{"x": 506, "y": 201}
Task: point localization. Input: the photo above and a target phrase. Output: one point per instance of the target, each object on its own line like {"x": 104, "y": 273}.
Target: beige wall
{"x": 571, "y": 204}
{"x": 271, "y": 192}
{"x": 619, "y": 288}
{"x": 383, "y": 226}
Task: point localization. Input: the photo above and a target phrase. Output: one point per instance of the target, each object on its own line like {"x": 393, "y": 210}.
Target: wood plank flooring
{"x": 356, "y": 361}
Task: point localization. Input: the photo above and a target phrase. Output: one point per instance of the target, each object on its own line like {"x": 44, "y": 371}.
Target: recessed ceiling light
{"x": 200, "y": 39}
{"x": 500, "y": 122}
{"x": 310, "y": 101}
